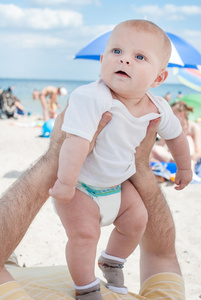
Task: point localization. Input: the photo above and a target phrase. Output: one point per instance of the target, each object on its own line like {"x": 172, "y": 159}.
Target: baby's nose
{"x": 126, "y": 61}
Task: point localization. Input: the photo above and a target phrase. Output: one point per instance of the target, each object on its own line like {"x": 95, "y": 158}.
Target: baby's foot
{"x": 92, "y": 293}
{"x": 113, "y": 272}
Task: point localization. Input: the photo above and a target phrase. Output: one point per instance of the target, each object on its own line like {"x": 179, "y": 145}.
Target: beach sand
{"x": 44, "y": 243}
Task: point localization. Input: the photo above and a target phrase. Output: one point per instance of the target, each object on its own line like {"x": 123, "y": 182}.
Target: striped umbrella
{"x": 183, "y": 54}
{"x": 189, "y": 77}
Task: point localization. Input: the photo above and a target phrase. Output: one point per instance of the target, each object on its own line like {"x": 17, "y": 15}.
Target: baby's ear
{"x": 160, "y": 78}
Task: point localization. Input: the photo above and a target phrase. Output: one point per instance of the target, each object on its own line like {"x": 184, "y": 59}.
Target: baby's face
{"x": 132, "y": 61}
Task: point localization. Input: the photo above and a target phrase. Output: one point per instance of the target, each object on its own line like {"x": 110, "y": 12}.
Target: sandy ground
{"x": 44, "y": 243}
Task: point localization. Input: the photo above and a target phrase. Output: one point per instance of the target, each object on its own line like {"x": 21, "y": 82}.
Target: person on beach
{"x": 95, "y": 191}
{"x": 19, "y": 106}
{"x": 193, "y": 133}
{"x": 50, "y": 106}
{"x": 168, "y": 97}
{"x": 160, "y": 274}
{"x": 179, "y": 95}
{"x": 10, "y": 106}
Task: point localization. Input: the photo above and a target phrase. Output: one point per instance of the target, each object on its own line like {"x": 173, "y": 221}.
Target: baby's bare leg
{"x": 130, "y": 223}
{"x": 81, "y": 220}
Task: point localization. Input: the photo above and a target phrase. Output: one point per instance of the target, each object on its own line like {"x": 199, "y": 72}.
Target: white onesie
{"x": 112, "y": 160}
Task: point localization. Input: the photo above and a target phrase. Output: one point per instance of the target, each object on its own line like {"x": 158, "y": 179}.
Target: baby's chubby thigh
{"x": 132, "y": 216}
{"x": 80, "y": 218}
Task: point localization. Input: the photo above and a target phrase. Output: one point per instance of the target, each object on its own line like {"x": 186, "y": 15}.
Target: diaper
{"x": 108, "y": 201}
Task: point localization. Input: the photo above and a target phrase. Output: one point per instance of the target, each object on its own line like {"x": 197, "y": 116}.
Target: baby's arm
{"x": 72, "y": 156}
{"x": 181, "y": 154}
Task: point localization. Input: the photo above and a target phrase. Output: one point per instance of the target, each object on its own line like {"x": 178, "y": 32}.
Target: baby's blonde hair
{"x": 148, "y": 26}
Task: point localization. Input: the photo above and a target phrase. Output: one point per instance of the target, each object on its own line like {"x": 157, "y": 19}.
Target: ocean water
{"x": 23, "y": 89}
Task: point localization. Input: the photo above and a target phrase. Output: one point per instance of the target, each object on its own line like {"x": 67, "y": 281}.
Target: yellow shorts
{"x": 163, "y": 286}
{"x": 55, "y": 283}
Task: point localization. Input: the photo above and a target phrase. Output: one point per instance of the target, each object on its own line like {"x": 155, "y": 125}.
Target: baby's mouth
{"x": 122, "y": 73}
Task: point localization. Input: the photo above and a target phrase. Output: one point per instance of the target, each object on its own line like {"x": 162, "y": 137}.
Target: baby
{"x": 96, "y": 191}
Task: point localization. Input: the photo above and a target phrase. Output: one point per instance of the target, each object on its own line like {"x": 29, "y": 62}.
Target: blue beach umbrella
{"x": 184, "y": 55}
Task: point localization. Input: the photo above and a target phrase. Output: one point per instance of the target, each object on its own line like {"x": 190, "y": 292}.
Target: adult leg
{"x": 52, "y": 109}
{"x": 160, "y": 153}
{"x": 44, "y": 106}
{"x": 158, "y": 242}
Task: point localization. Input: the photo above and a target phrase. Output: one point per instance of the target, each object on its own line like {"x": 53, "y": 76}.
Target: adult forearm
{"x": 159, "y": 236}
{"x": 160, "y": 231}
{"x": 157, "y": 247}
{"x": 22, "y": 201}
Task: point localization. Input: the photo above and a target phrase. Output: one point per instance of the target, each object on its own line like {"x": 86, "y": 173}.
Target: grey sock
{"x": 92, "y": 293}
{"x": 113, "y": 273}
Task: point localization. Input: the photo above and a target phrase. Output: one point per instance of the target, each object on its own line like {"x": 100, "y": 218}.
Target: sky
{"x": 39, "y": 38}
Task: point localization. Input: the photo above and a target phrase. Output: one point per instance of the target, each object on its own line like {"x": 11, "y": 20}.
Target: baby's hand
{"x": 182, "y": 178}
{"x": 62, "y": 192}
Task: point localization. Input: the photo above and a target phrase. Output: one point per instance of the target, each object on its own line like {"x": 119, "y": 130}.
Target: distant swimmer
{"x": 49, "y": 105}
{"x": 168, "y": 97}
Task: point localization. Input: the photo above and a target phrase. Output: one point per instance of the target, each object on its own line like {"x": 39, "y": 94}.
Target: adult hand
{"x": 106, "y": 117}
{"x": 143, "y": 151}
{"x": 57, "y": 135}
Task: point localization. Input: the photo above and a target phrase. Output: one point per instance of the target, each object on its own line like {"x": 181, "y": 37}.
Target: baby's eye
{"x": 141, "y": 57}
{"x": 116, "y": 51}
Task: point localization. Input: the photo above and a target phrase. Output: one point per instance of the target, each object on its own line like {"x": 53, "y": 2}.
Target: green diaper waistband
{"x": 100, "y": 192}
